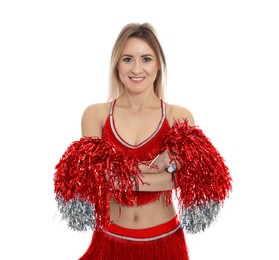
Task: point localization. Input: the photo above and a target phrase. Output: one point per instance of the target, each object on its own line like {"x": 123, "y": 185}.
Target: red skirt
{"x": 165, "y": 241}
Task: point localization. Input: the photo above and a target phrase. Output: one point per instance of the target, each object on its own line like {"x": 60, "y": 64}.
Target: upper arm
{"x": 180, "y": 113}
{"x": 93, "y": 119}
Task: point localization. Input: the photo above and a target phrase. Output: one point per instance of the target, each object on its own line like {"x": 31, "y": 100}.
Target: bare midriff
{"x": 140, "y": 217}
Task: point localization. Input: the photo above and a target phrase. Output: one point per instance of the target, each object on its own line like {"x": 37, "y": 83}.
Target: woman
{"x": 134, "y": 152}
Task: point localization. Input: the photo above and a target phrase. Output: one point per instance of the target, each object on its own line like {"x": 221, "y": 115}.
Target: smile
{"x": 136, "y": 79}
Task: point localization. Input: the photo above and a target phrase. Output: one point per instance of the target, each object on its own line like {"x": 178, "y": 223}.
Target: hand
{"x": 159, "y": 164}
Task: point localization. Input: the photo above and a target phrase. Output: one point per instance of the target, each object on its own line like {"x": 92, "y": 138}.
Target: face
{"x": 138, "y": 66}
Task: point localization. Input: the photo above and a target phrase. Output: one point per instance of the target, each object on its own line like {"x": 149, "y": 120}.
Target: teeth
{"x": 137, "y": 79}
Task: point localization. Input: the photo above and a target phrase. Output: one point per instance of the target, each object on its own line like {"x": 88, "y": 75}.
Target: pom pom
{"x": 92, "y": 171}
{"x": 202, "y": 179}
{"x": 79, "y": 214}
{"x": 197, "y": 218}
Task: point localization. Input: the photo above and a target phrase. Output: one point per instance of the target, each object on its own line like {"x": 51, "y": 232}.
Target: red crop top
{"x": 145, "y": 151}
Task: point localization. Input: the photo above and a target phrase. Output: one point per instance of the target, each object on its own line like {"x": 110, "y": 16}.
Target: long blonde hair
{"x": 147, "y": 33}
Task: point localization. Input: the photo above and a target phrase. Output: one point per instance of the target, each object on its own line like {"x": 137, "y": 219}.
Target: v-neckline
{"x": 122, "y": 141}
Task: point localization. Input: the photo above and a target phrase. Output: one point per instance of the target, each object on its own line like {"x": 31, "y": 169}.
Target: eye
{"x": 127, "y": 59}
{"x": 147, "y": 59}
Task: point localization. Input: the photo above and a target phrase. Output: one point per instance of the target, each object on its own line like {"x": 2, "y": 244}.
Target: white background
{"x": 223, "y": 64}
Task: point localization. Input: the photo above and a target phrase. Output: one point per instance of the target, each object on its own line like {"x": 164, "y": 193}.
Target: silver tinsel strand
{"x": 79, "y": 214}
{"x": 197, "y": 218}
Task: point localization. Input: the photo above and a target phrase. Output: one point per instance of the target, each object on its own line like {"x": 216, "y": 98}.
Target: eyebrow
{"x": 144, "y": 55}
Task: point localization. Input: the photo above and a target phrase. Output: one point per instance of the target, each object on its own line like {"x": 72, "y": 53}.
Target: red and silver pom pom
{"x": 202, "y": 179}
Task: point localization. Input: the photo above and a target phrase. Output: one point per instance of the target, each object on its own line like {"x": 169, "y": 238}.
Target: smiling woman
{"x": 138, "y": 66}
{"x": 135, "y": 150}
{"x": 147, "y": 44}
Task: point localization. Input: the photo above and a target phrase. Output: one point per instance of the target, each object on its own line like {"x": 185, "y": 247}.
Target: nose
{"x": 136, "y": 69}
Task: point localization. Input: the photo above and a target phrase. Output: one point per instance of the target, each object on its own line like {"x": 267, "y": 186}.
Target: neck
{"x": 138, "y": 101}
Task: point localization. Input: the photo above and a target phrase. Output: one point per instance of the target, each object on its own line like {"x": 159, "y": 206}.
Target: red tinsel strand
{"x": 202, "y": 174}
{"x": 91, "y": 170}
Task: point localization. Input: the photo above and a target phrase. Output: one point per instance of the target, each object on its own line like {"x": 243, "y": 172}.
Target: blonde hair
{"x": 144, "y": 32}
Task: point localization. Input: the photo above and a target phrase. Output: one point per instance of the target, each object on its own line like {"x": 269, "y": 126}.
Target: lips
{"x": 137, "y": 79}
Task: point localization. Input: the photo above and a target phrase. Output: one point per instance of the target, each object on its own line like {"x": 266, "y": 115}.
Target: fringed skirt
{"x": 166, "y": 242}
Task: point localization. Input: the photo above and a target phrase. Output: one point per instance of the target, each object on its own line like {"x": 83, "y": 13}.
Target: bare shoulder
{"x": 93, "y": 119}
{"x": 175, "y": 112}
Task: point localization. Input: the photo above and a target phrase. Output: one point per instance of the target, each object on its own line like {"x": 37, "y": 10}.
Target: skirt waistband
{"x": 146, "y": 234}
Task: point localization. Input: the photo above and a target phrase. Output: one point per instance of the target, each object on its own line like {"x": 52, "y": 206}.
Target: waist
{"x": 141, "y": 217}
{"x": 146, "y": 234}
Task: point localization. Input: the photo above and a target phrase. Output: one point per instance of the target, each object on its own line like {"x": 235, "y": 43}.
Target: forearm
{"x": 157, "y": 165}
{"x": 146, "y": 169}
{"x": 156, "y": 182}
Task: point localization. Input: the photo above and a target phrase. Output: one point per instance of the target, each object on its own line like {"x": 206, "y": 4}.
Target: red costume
{"x": 87, "y": 173}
